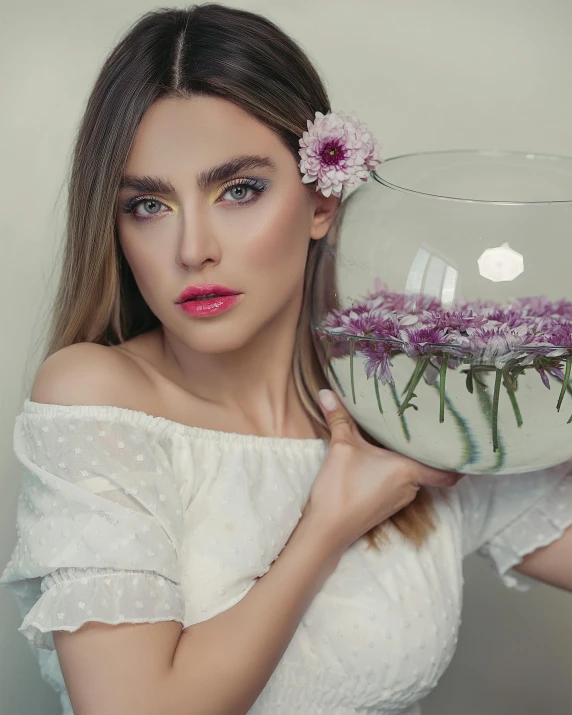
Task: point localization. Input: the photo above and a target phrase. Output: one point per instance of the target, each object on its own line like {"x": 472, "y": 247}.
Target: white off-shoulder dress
{"x": 127, "y": 517}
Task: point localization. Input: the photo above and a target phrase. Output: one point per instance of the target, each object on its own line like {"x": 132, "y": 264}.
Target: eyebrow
{"x": 206, "y": 179}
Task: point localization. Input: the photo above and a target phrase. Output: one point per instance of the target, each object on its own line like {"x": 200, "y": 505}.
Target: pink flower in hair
{"x": 337, "y": 150}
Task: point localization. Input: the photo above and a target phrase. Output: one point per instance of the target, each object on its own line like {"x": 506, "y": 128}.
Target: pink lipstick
{"x": 206, "y": 300}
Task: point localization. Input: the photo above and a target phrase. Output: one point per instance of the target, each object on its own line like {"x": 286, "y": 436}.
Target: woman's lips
{"x": 213, "y": 306}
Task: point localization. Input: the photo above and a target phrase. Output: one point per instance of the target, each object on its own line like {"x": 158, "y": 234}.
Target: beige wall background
{"x": 446, "y": 74}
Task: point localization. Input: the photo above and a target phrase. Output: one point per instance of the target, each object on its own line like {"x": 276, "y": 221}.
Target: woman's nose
{"x": 197, "y": 243}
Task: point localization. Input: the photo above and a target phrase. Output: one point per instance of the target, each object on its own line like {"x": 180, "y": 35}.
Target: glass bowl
{"x": 442, "y": 308}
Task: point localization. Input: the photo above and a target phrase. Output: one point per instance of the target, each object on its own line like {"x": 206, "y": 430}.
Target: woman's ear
{"x": 325, "y": 208}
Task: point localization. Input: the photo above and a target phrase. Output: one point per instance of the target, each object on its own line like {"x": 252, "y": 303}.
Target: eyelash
{"x": 255, "y": 184}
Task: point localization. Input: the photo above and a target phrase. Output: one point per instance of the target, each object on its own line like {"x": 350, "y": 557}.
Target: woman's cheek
{"x": 147, "y": 271}
{"x": 282, "y": 243}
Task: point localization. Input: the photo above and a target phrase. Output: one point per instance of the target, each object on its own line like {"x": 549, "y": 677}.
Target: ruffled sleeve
{"x": 99, "y": 524}
{"x": 505, "y": 517}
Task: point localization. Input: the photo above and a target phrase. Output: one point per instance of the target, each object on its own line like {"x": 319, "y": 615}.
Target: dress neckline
{"x": 144, "y": 419}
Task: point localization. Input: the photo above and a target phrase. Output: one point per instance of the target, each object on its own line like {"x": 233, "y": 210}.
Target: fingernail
{"x": 327, "y": 400}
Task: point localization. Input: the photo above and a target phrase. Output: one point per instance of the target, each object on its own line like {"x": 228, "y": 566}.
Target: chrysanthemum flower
{"x": 337, "y": 150}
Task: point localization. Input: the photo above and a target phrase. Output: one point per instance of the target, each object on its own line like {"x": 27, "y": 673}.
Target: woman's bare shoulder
{"x": 88, "y": 374}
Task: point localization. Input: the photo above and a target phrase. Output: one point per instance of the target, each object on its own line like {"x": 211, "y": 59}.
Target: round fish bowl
{"x": 442, "y": 308}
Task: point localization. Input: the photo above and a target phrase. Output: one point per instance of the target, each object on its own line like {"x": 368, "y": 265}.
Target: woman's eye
{"x": 152, "y": 203}
{"x": 237, "y": 191}
{"x": 241, "y": 190}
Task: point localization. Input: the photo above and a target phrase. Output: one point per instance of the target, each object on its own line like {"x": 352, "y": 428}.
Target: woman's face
{"x": 251, "y": 239}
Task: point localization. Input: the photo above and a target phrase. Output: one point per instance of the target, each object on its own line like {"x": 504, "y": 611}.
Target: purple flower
{"x": 541, "y": 307}
{"x": 460, "y": 320}
{"x": 553, "y": 339}
{"x": 545, "y": 368}
{"x": 507, "y": 317}
{"x": 332, "y": 319}
{"x": 560, "y": 335}
{"x": 366, "y": 324}
{"x": 555, "y": 372}
{"x": 378, "y": 361}
{"x": 421, "y": 340}
{"x": 542, "y": 372}
{"x": 478, "y": 330}
{"x": 497, "y": 345}
{"x": 337, "y": 150}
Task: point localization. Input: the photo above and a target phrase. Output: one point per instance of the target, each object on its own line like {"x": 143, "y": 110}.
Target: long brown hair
{"x": 211, "y": 50}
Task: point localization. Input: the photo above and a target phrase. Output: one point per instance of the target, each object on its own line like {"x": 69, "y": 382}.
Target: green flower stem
{"x": 336, "y": 378}
{"x": 510, "y": 386}
{"x": 566, "y": 381}
{"x": 404, "y": 427}
{"x": 485, "y": 404}
{"x": 420, "y": 368}
{"x": 408, "y": 384}
{"x": 568, "y": 387}
{"x": 470, "y": 446}
{"x": 515, "y": 407}
{"x": 517, "y": 372}
{"x": 495, "y": 421}
{"x": 352, "y": 347}
{"x": 442, "y": 376}
{"x": 377, "y": 395}
{"x": 331, "y": 367}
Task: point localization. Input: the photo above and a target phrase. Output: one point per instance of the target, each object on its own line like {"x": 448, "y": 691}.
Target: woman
{"x": 191, "y": 518}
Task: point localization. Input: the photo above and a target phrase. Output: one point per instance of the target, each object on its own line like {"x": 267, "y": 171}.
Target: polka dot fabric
{"x": 100, "y": 521}
{"x": 126, "y": 517}
{"x": 505, "y": 518}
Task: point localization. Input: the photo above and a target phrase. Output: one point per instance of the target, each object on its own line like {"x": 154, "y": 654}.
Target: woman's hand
{"x": 360, "y": 485}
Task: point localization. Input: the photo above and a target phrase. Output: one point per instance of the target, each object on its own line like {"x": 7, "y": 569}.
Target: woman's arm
{"x": 221, "y": 665}
{"x": 216, "y": 667}
{"x": 551, "y": 564}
